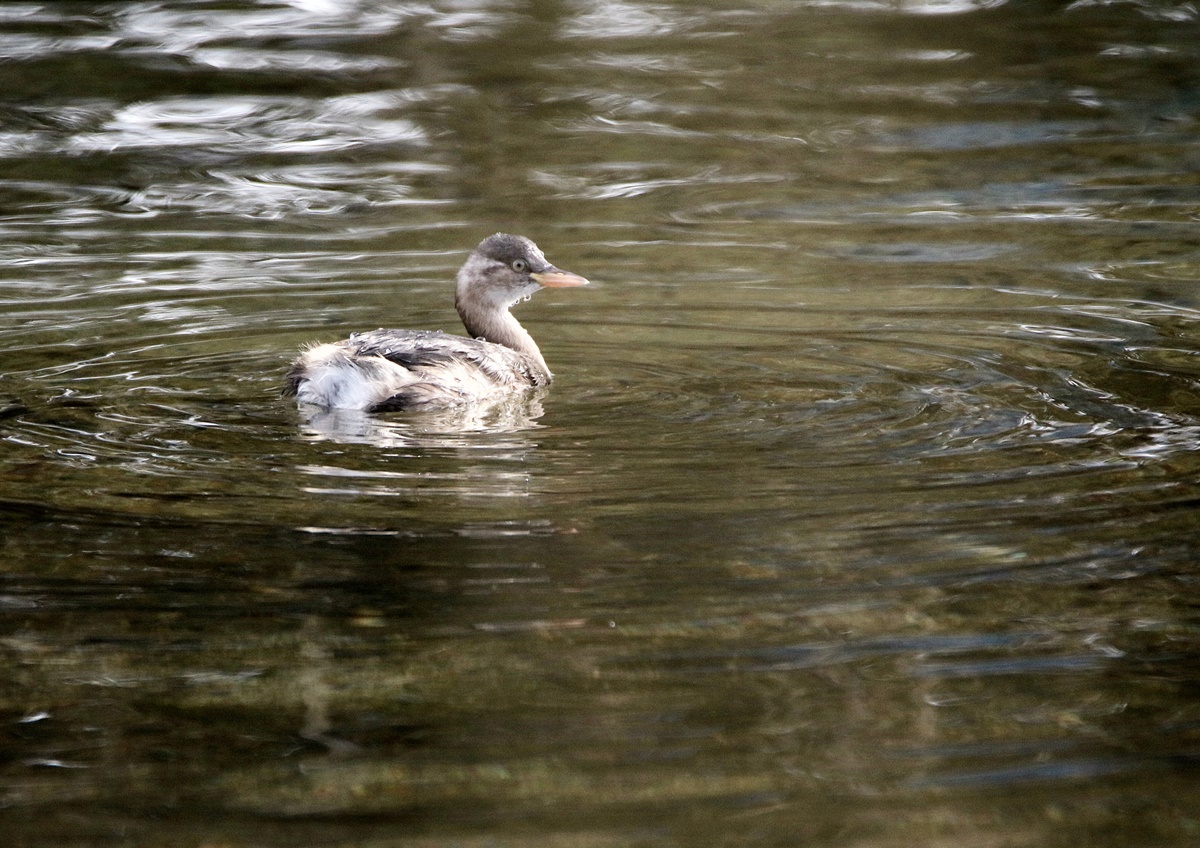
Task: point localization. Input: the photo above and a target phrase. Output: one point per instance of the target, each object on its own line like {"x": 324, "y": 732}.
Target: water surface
{"x": 862, "y": 510}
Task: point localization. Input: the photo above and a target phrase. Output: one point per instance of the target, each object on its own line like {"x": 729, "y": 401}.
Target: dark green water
{"x": 864, "y": 509}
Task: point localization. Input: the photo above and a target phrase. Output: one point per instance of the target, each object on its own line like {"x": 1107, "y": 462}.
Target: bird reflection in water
{"x": 508, "y": 415}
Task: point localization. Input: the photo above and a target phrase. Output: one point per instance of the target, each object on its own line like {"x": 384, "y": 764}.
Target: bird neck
{"x": 496, "y": 324}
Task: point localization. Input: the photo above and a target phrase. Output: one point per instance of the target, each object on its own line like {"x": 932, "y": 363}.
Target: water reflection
{"x": 234, "y": 124}
{"x": 453, "y": 427}
{"x": 160, "y": 28}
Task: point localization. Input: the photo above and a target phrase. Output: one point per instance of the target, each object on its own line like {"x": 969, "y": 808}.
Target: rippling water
{"x": 862, "y": 510}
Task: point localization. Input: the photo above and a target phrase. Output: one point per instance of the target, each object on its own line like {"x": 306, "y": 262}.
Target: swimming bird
{"x": 385, "y": 370}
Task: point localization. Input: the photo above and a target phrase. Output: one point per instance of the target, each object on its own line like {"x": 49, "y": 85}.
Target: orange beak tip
{"x": 558, "y": 279}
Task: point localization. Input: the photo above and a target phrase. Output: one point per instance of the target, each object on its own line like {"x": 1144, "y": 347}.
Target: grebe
{"x": 385, "y": 370}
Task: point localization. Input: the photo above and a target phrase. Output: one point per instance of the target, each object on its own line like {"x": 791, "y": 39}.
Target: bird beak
{"x": 556, "y": 279}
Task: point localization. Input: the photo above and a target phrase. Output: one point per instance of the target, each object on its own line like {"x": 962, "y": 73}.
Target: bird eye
{"x": 520, "y": 265}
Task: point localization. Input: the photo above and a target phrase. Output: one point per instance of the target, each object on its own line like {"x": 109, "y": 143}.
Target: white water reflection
{"x": 264, "y": 124}
{"x": 457, "y": 427}
{"x": 617, "y": 19}
{"x": 245, "y": 59}
{"x": 183, "y": 28}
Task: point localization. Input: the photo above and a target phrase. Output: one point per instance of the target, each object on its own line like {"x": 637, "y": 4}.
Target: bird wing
{"x": 419, "y": 349}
